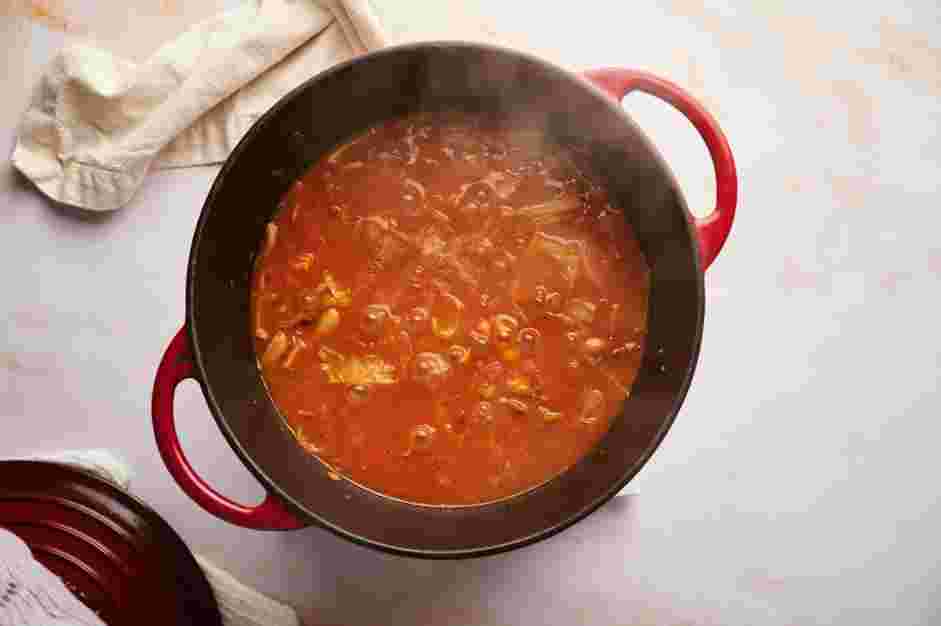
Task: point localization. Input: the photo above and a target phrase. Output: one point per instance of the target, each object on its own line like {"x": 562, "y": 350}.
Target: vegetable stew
{"x": 448, "y": 310}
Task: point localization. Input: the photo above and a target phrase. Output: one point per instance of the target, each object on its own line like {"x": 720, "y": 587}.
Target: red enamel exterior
{"x": 713, "y": 229}
{"x": 175, "y": 367}
{"x": 116, "y": 554}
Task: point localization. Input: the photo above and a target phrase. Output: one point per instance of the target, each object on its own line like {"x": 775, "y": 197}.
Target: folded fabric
{"x": 31, "y": 595}
{"x": 96, "y": 124}
{"x": 241, "y": 605}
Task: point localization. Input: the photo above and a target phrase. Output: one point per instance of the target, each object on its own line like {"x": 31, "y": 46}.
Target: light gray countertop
{"x": 799, "y": 484}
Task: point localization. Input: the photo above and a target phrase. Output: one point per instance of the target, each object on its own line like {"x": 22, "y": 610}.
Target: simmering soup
{"x": 448, "y": 310}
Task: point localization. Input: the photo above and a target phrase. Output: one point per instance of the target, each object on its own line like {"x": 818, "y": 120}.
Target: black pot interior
{"x": 323, "y": 112}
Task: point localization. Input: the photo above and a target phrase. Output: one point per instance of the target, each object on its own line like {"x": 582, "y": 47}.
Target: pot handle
{"x": 176, "y": 366}
{"x": 713, "y": 229}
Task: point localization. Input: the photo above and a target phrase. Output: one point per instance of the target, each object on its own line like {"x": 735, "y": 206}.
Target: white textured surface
{"x": 798, "y": 484}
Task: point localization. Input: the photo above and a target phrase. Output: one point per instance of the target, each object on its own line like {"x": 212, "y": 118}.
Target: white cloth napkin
{"x": 31, "y": 595}
{"x": 96, "y": 123}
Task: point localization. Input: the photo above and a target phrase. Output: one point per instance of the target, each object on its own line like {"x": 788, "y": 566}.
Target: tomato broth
{"x": 447, "y": 309}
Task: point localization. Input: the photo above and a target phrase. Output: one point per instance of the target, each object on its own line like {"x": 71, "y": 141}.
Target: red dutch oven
{"x": 215, "y": 347}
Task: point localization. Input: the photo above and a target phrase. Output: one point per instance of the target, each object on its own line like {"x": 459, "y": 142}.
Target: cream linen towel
{"x": 96, "y": 124}
{"x": 41, "y": 599}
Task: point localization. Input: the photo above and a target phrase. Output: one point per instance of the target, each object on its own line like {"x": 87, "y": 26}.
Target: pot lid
{"x": 115, "y": 553}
